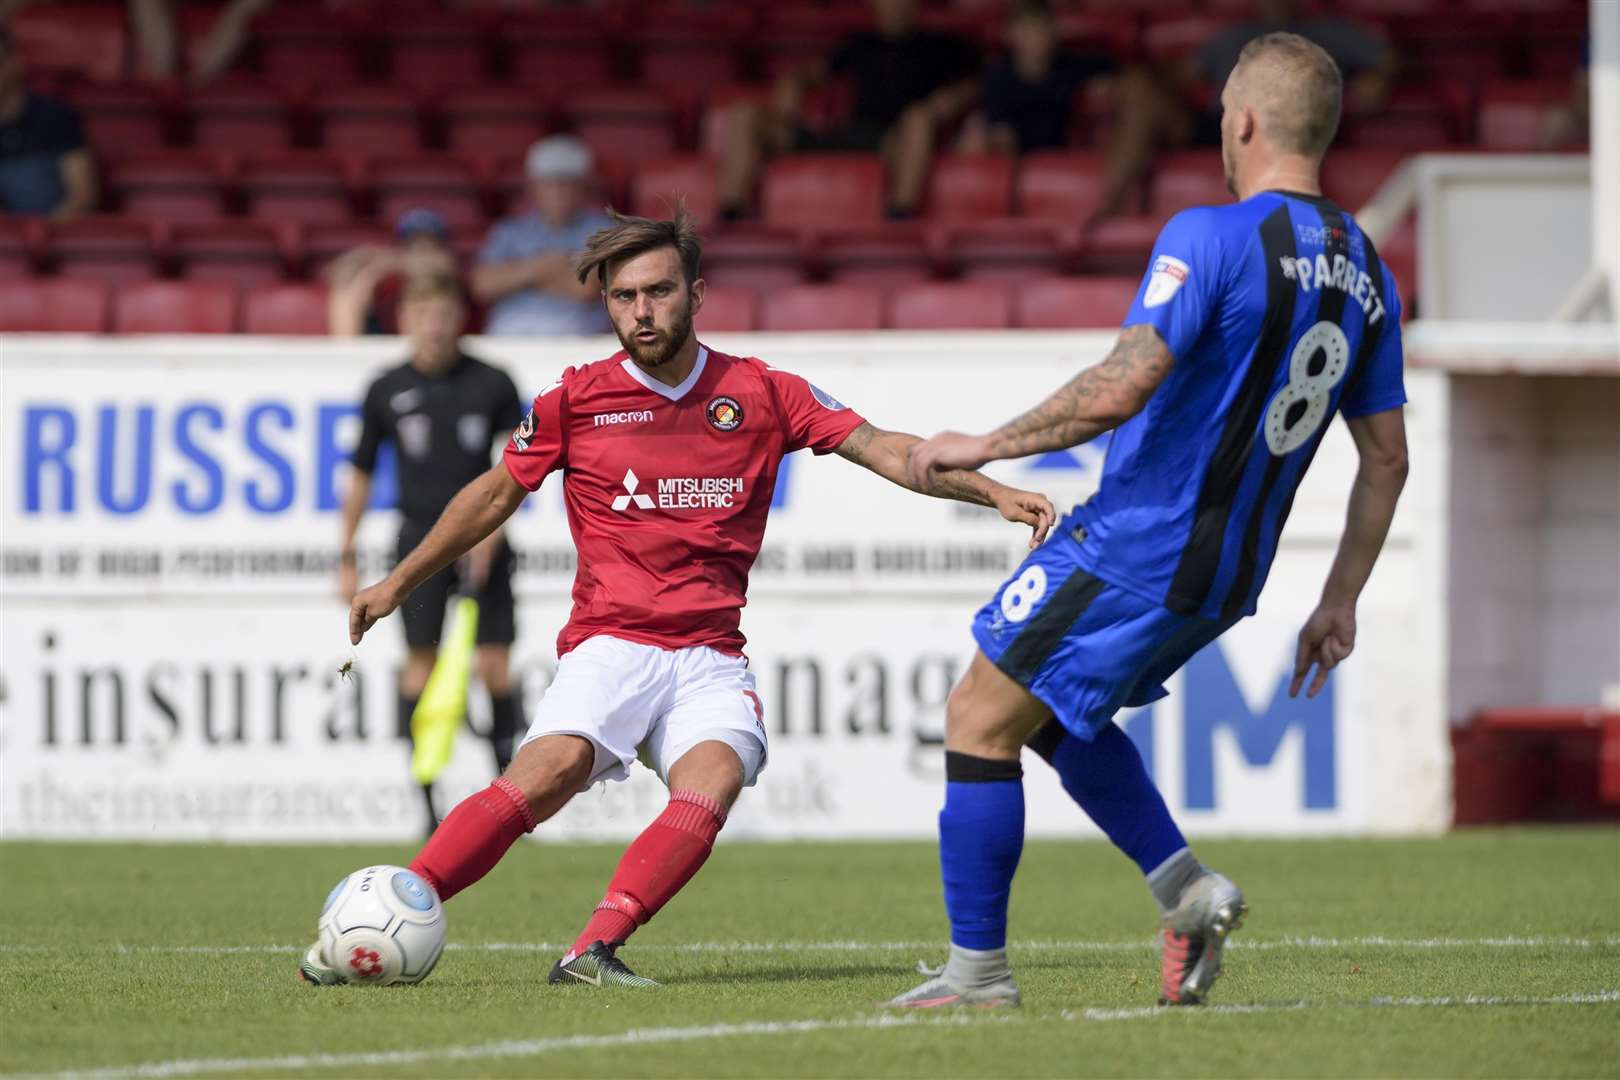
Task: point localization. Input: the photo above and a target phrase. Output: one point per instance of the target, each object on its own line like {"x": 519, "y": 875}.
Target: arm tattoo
{"x": 888, "y": 453}
{"x": 855, "y": 444}
{"x": 1098, "y": 399}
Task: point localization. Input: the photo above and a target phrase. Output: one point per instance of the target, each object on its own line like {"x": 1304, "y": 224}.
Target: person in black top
{"x": 444, "y": 412}
{"x": 1027, "y": 97}
{"x": 45, "y": 164}
{"x": 908, "y": 84}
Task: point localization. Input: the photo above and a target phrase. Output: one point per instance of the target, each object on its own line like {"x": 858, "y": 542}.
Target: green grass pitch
{"x": 1481, "y": 954}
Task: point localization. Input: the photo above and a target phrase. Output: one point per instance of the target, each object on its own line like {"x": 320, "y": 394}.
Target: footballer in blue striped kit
{"x": 1255, "y": 323}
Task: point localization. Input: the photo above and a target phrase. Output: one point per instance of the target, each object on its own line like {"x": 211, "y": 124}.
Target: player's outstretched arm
{"x": 1329, "y": 634}
{"x": 477, "y": 510}
{"x": 888, "y": 453}
{"x": 1098, "y": 399}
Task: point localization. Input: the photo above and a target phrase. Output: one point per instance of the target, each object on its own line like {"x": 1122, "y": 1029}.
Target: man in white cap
{"x": 525, "y": 272}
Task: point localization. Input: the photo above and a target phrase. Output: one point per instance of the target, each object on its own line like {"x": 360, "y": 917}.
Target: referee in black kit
{"x": 445, "y": 413}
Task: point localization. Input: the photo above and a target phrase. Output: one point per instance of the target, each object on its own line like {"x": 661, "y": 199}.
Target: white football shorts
{"x": 625, "y": 697}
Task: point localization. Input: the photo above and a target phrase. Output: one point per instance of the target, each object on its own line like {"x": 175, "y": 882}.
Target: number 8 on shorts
{"x": 1022, "y": 593}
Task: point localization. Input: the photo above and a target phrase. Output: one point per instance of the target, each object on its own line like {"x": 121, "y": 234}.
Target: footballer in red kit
{"x": 669, "y": 453}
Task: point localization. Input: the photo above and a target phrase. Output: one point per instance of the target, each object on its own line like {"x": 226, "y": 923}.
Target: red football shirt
{"x": 667, "y": 488}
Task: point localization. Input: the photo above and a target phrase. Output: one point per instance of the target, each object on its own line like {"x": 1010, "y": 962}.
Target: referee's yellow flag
{"x": 443, "y": 704}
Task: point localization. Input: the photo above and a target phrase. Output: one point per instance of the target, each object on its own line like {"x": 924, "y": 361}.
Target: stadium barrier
{"x": 172, "y": 641}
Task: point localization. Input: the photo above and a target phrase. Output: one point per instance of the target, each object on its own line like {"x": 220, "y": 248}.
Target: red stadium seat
{"x": 1121, "y": 245}
{"x": 1190, "y": 178}
{"x": 877, "y": 256}
{"x": 369, "y": 120}
{"x": 324, "y": 244}
{"x": 246, "y": 119}
{"x": 429, "y": 54}
{"x": 306, "y": 47}
{"x": 307, "y": 187}
{"x": 752, "y": 258}
{"x": 822, "y": 307}
{"x": 1063, "y": 302}
{"x": 1008, "y": 249}
{"x": 175, "y": 307}
{"x": 693, "y": 46}
{"x": 728, "y": 310}
{"x": 239, "y": 252}
{"x": 440, "y": 183}
{"x": 176, "y": 185}
{"x": 964, "y": 187}
{"x": 53, "y": 305}
{"x": 103, "y": 248}
{"x": 490, "y": 121}
{"x": 950, "y": 305}
{"x": 120, "y": 118}
{"x": 659, "y": 183}
{"x": 1179, "y": 35}
{"x": 1061, "y": 184}
{"x": 793, "y": 35}
{"x": 558, "y": 48}
{"x": 1514, "y": 115}
{"x": 84, "y": 40}
{"x": 1445, "y": 44}
{"x": 1352, "y": 176}
{"x": 628, "y": 126}
{"x": 21, "y": 241}
{"x": 288, "y": 308}
{"x": 810, "y": 190}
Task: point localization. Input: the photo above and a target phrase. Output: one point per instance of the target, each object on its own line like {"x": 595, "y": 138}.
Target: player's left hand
{"x": 1328, "y": 637}
{"x": 947, "y": 450}
{"x": 1027, "y": 508}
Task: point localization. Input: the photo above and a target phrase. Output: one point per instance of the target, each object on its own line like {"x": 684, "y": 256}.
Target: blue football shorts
{"x": 1082, "y": 646}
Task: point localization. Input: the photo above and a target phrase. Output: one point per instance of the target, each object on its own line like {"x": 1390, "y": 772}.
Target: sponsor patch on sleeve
{"x": 827, "y": 400}
{"x": 524, "y": 432}
{"x": 1169, "y": 275}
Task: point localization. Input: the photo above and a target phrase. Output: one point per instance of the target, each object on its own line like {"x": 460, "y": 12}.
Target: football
{"x": 382, "y": 925}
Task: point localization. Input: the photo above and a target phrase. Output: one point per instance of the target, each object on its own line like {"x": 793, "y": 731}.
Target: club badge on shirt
{"x": 1169, "y": 275}
{"x": 725, "y": 414}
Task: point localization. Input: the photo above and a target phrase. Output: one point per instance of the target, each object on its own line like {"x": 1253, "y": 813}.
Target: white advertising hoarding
{"x": 171, "y": 642}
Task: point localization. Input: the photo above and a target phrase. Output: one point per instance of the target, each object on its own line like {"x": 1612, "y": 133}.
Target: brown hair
{"x": 430, "y": 287}
{"x": 630, "y": 236}
{"x": 1298, "y": 90}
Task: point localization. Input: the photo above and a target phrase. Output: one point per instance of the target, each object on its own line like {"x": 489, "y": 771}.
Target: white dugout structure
{"x": 170, "y": 641}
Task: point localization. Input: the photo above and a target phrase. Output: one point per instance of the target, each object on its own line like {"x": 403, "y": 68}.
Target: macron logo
{"x": 621, "y": 503}
{"x": 640, "y": 416}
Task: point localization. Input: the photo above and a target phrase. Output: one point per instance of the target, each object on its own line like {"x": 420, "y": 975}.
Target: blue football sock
{"x": 981, "y": 836}
{"x": 1107, "y": 778}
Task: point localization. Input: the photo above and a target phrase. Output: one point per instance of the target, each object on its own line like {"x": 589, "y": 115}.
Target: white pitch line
{"x": 1152, "y": 1012}
{"x": 159, "y": 1070}
{"x": 506, "y": 1048}
{"x": 792, "y": 947}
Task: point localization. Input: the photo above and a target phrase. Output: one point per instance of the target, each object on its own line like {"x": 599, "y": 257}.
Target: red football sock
{"x": 655, "y": 867}
{"x": 474, "y": 837}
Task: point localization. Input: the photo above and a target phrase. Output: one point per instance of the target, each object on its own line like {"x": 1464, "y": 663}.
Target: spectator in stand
{"x": 1028, "y": 97}
{"x": 525, "y": 272}
{"x": 364, "y": 281}
{"x": 45, "y": 165}
{"x": 1367, "y": 60}
{"x": 1187, "y": 110}
{"x": 909, "y": 85}
{"x": 160, "y": 44}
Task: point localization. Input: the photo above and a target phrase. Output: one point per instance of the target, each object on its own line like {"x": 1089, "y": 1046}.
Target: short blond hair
{"x": 1296, "y": 88}
{"x": 630, "y": 236}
